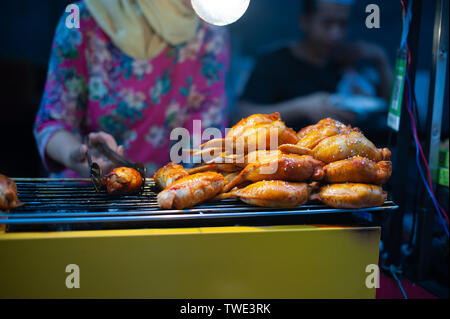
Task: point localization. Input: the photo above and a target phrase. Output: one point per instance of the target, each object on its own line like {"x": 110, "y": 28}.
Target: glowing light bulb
{"x": 220, "y": 12}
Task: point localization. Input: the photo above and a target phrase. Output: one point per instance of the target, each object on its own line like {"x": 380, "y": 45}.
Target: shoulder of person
{"x": 87, "y": 22}
{"x": 212, "y": 31}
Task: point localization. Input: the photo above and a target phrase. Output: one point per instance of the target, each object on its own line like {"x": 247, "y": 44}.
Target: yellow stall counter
{"x": 288, "y": 262}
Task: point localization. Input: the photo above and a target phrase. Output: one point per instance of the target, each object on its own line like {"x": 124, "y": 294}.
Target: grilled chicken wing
{"x": 347, "y": 145}
{"x": 169, "y": 174}
{"x": 8, "y": 194}
{"x": 191, "y": 190}
{"x": 358, "y": 170}
{"x": 277, "y": 194}
{"x": 351, "y": 195}
{"x": 294, "y": 168}
{"x": 123, "y": 181}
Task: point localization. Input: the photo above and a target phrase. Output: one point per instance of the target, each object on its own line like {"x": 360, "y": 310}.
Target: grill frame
{"x": 81, "y": 207}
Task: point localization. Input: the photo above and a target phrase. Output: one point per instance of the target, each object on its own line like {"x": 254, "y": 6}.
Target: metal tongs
{"x": 95, "y": 171}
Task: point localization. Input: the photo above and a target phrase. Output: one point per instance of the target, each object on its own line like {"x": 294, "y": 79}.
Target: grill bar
{"x": 75, "y": 201}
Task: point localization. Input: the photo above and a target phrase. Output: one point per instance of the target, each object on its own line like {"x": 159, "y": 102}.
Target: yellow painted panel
{"x": 216, "y": 262}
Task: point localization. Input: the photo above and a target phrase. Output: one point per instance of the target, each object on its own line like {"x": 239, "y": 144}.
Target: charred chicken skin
{"x": 285, "y": 167}
{"x": 351, "y": 195}
{"x": 358, "y": 170}
{"x": 347, "y": 145}
{"x": 169, "y": 174}
{"x": 276, "y": 194}
{"x": 123, "y": 181}
{"x": 8, "y": 194}
{"x": 191, "y": 190}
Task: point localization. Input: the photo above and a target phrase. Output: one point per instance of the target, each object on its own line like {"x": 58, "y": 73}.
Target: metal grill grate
{"x": 75, "y": 201}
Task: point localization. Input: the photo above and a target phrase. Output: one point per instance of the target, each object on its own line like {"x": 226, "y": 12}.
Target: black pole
{"x": 400, "y": 176}
{"x": 427, "y": 212}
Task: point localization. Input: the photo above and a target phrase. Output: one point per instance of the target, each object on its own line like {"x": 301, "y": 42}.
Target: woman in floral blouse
{"x": 131, "y": 73}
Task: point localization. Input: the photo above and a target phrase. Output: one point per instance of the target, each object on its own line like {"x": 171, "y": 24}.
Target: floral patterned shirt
{"x": 93, "y": 86}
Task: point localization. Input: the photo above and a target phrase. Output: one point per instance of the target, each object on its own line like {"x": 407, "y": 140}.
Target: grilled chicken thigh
{"x": 169, "y": 174}
{"x": 347, "y": 145}
{"x": 277, "y": 194}
{"x": 358, "y": 170}
{"x": 8, "y": 194}
{"x": 351, "y": 195}
{"x": 285, "y": 167}
{"x": 123, "y": 181}
{"x": 191, "y": 190}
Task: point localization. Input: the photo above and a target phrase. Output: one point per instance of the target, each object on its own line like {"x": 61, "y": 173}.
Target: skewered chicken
{"x": 277, "y": 194}
{"x": 351, "y": 195}
{"x": 169, "y": 174}
{"x": 191, "y": 190}
{"x": 8, "y": 194}
{"x": 285, "y": 167}
{"x": 358, "y": 170}
{"x": 123, "y": 181}
{"x": 347, "y": 145}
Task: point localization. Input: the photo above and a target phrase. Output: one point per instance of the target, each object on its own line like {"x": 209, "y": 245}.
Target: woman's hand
{"x": 100, "y": 159}
{"x": 67, "y": 150}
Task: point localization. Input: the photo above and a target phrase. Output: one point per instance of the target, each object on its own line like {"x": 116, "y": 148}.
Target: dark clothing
{"x": 281, "y": 76}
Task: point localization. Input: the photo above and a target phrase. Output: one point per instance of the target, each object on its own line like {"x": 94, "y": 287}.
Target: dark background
{"x": 27, "y": 28}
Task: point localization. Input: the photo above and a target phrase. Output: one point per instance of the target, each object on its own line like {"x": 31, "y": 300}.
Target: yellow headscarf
{"x": 143, "y": 28}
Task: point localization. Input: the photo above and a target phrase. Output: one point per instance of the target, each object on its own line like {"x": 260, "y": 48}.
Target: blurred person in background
{"x": 301, "y": 81}
{"x": 133, "y": 71}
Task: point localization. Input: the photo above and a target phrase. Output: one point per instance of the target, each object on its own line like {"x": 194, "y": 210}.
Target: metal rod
{"x": 403, "y": 148}
{"x": 433, "y": 135}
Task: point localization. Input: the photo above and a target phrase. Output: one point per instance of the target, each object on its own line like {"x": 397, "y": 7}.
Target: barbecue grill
{"x": 74, "y": 204}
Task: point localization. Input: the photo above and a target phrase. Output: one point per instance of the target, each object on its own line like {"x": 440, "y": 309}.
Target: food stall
{"x": 225, "y": 228}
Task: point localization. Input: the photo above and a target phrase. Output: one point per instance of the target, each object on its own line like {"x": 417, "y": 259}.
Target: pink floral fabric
{"x": 93, "y": 86}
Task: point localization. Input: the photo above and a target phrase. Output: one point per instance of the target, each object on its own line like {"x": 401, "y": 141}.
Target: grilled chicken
{"x": 351, "y": 195}
{"x": 191, "y": 190}
{"x": 358, "y": 170}
{"x": 258, "y": 137}
{"x": 220, "y": 168}
{"x": 277, "y": 194}
{"x": 8, "y": 194}
{"x": 327, "y": 122}
{"x": 169, "y": 174}
{"x": 257, "y": 132}
{"x": 241, "y": 127}
{"x": 347, "y": 145}
{"x": 312, "y": 135}
{"x": 285, "y": 167}
{"x": 123, "y": 181}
